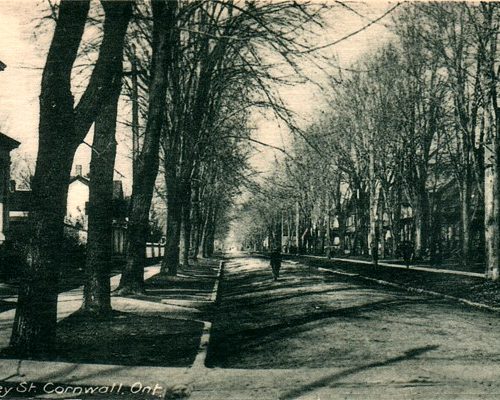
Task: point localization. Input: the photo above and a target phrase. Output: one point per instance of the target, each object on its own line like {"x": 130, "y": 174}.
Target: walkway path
{"x": 177, "y": 298}
{"x": 68, "y": 303}
{"x": 413, "y": 267}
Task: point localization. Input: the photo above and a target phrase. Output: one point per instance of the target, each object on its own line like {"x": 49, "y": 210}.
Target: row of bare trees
{"x": 198, "y": 70}
{"x": 413, "y": 126}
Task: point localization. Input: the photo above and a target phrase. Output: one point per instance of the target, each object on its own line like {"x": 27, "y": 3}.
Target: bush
{"x": 11, "y": 260}
{"x": 72, "y": 254}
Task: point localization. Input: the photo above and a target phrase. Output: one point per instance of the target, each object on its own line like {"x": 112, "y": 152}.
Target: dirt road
{"x": 316, "y": 335}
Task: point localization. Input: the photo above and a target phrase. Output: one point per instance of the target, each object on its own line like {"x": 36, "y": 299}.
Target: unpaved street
{"x": 314, "y": 334}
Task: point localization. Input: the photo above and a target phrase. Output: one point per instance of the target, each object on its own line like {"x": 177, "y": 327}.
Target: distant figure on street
{"x": 275, "y": 257}
{"x": 407, "y": 252}
{"x": 375, "y": 253}
{"x": 329, "y": 252}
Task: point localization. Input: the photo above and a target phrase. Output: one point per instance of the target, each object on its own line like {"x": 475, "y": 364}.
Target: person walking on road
{"x": 407, "y": 252}
{"x": 275, "y": 257}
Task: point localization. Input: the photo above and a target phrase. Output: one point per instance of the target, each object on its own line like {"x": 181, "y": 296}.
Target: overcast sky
{"x": 24, "y": 55}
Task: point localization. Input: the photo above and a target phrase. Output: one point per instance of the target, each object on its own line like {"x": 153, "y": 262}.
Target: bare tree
{"x": 164, "y": 14}
{"x": 62, "y": 128}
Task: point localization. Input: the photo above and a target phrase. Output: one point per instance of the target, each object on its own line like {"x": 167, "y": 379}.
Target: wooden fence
{"x": 155, "y": 250}
{"x": 119, "y": 241}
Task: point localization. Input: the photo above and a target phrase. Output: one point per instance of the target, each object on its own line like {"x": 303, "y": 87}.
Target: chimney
{"x": 78, "y": 170}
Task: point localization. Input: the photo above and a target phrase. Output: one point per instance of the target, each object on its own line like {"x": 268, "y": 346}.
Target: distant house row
{"x": 346, "y": 229}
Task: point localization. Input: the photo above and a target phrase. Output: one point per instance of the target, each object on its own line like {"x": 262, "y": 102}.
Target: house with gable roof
{"x": 76, "y": 221}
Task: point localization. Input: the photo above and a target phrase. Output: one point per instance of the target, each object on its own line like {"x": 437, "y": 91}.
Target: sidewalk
{"x": 468, "y": 287}
{"x": 170, "y": 317}
{"x": 68, "y": 303}
{"x": 414, "y": 267}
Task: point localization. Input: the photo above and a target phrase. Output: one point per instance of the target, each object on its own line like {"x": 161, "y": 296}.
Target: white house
{"x": 78, "y": 197}
{"x": 76, "y": 210}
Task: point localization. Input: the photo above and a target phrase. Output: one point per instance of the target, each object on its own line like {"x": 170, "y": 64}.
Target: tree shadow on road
{"x": 327, "y": 380}
{"x": 294, "y": 296}
{"x": 229, "y": 340}
{"x": 356, "y": 311}
{"x": 250, "y": 283}
{"x": 192, "y": 283}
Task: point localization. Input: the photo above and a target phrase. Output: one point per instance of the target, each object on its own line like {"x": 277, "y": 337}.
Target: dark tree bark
{"x": 435, "y": 238}
{"x": 35, "y": 321}
{"x": 186, "y": 224}
{"x": 465, "y": 213}
{"x": 61, "y": 129}
{"x": 148, "y": 161}
{"x": 492, "y": 200}
{"x": 422, "y": 213}
{"x": 204, "y": 234}
{"x": 195, "y": 221}
{"x": 96, "y": 293}
{"x": 174, "y": 197}
{"x": 210, "y": 240}
{"x": 96, "y": 296}
{"x": 207, "y": 231}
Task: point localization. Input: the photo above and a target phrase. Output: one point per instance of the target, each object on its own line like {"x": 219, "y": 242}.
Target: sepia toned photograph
{"x": 249, "y": 199}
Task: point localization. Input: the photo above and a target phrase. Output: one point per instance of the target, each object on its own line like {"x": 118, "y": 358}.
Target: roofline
{"x": 79, "y": 178}
{"x": 14, "y": 144}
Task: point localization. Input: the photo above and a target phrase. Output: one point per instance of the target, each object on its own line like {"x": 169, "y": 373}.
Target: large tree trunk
{"x": 381, "y": 234}
{"x": 421, "y": 219}
{"x": 36, "y": 314}
{"x": 210, "y": 237}
{"x": 62, "y": 128}
{"x": 96, "y": 293}
{"x": 396, "y": 224}
{"x": 170, "y": 261}
{"x": 435, "y": 238}
{"x": 492, "y": 208}
{"x": 492, "y": 158}
{"x": 492, "y": 189}
{"x": 196, "y": 222}
{"x": 186, "y": 224}
{"x": 204, "y": 244}
{"x": 148, "y": 161}
{"x": 373, "y": 201}
{"x": 465, "y": 198}
{"x": 297, "y": 228}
